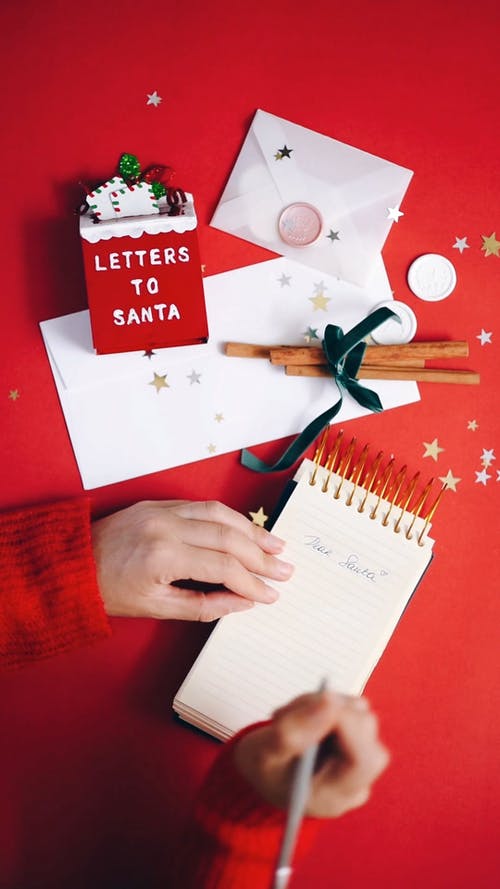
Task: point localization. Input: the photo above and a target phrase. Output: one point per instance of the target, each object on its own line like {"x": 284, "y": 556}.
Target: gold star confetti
{"x": 259, "y": 518}
{"x": 14, "y": 394}
{"x": 211, "y": 448}
{"x": 491, "y": 246}
{"x": 472, "y": 425}
{"x": 320, "y": 301}
{"x": 450, "y": 481}
{"x": 219, "y": 418}
{"x": 159, "y": 382}
{"x": 432, "y": 449}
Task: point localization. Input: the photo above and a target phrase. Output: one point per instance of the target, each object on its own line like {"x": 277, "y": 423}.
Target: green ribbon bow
{"x": 344, "y": 354}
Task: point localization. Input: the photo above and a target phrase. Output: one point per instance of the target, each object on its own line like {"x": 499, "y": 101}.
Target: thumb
{"x": 305, "y": 721}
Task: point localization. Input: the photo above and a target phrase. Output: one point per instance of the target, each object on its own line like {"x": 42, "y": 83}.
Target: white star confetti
{"x": 461, "y": 244}
{"x": 498, "y": 475}
{"x": 310, "y": 334}
{"x": 482, "y": 477}
{"x": 487, "y": 457}
{"x": 153, "y": 99}
{"x": 484, "y": 336}
{"x": 472, "y": 425}
{"x": 320, "y": 287}
{"x": 285, "y": 280}
{"x": 393, "y": 213}
{"x": 450, "y": 481}
{"x": 193, "y": 377}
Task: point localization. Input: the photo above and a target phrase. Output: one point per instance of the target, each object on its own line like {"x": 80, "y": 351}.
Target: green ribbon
{"x": 344, "y": 354}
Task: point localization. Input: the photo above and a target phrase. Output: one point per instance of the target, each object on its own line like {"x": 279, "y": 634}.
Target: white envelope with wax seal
{"x": 311, "y": 198}
{"x": 139, "y": 412}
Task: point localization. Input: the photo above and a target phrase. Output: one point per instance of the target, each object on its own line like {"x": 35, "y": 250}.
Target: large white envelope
{"x": 129, "y": 415}
{"x": 352, "y": 190}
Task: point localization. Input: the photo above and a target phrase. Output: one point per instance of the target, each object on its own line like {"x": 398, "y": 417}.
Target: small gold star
{"x": 211, "y": 449}
{"x": 320, "y": 301}
{"x": 472, "y": 425}
{"x": 450, "y": 481}
{"x": 219, "y": 418}
{"x": 159, "y": 382}
{"x": 14, "y": 394}
{"x": 432, "y": 449}
{"x": 490, "y": 245}
{"x": 259, "y": 518}
{"x": 203, "y": 267}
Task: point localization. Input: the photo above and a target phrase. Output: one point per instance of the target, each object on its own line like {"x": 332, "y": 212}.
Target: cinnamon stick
{"x": 379, "y": 372}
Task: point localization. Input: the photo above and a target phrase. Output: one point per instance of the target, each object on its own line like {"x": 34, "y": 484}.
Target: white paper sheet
{"x": 121, "y": 426}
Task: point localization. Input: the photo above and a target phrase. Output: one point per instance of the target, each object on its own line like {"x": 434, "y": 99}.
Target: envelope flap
{"x": 349, "y": 191}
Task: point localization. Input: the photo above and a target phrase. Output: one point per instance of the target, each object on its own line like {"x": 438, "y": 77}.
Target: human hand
{"x": 350, "y": 758}
{"x": 142, "y": 551}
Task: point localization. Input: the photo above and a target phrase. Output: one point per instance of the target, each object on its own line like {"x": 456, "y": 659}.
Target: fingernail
{"x": 284, "y": 569}
{"x": 276, "y": 544}
{"x": 270, "y": 594}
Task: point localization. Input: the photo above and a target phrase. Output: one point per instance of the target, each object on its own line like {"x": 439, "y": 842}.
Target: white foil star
{"x": 484, "y": 336}
{"x": 461, "y": 244}
{"x": 153, "y": 99}
{"x": 482, "y": 477}
{"x": 393, "y": 214}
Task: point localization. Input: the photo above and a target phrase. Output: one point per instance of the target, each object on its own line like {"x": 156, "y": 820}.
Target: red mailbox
{"x": 144, "y": 281}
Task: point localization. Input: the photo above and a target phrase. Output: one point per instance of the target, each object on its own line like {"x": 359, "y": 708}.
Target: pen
{"x": 296, "y": 807}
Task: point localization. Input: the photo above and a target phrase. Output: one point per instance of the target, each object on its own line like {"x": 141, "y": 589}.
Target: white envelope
{"x": 351, "y": 189}
{"x": 121, "y": 425}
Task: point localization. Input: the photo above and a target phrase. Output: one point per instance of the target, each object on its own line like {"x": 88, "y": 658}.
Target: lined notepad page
{"x": 353, "y": 578}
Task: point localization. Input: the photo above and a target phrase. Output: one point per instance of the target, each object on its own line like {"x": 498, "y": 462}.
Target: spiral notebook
{"x": 357, "y": 530}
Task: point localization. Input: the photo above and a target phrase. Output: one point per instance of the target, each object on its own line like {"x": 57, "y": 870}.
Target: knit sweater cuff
{"x": 234, "y": 836}
{"x": 49, "y": 598}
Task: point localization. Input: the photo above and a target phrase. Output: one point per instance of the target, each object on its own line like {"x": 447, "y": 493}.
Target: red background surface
{"x": 96, "y": 773}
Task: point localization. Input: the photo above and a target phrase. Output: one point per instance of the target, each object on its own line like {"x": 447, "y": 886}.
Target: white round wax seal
{"x": 391, "y": 332}
{"x": 299, "y": 225}
{"x": 432, "y": 277}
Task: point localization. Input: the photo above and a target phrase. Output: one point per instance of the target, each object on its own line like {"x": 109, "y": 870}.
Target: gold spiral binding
{"x": 331, "y": 460}
{"x": 386, "y": 487}
{"x": 356, "y": 473}
{"x": 398, "y": 484}
{"x": 430, "y": 514}
{"x": 418, "y": 507}
{"x": 381, "y": 486}
{"x": 405, "y": 500}
{"x": 344, "y": 466}
{"x": 318, "y": 455}
{"x": 373, "y": 474}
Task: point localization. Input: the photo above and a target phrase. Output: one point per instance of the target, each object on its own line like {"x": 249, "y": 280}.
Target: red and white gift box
{"x": 143, "y": 275}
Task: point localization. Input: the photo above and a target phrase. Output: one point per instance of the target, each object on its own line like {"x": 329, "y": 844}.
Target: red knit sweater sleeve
{"x": 233, "y": 838}
{"x": 49, "y": 599}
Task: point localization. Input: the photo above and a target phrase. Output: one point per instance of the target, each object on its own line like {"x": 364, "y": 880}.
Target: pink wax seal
{"x": 300, "y": 225}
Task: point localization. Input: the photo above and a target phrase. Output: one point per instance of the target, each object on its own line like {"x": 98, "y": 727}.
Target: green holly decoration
{"x": 158, "y": 189}
{"x": 129, "y": 167}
